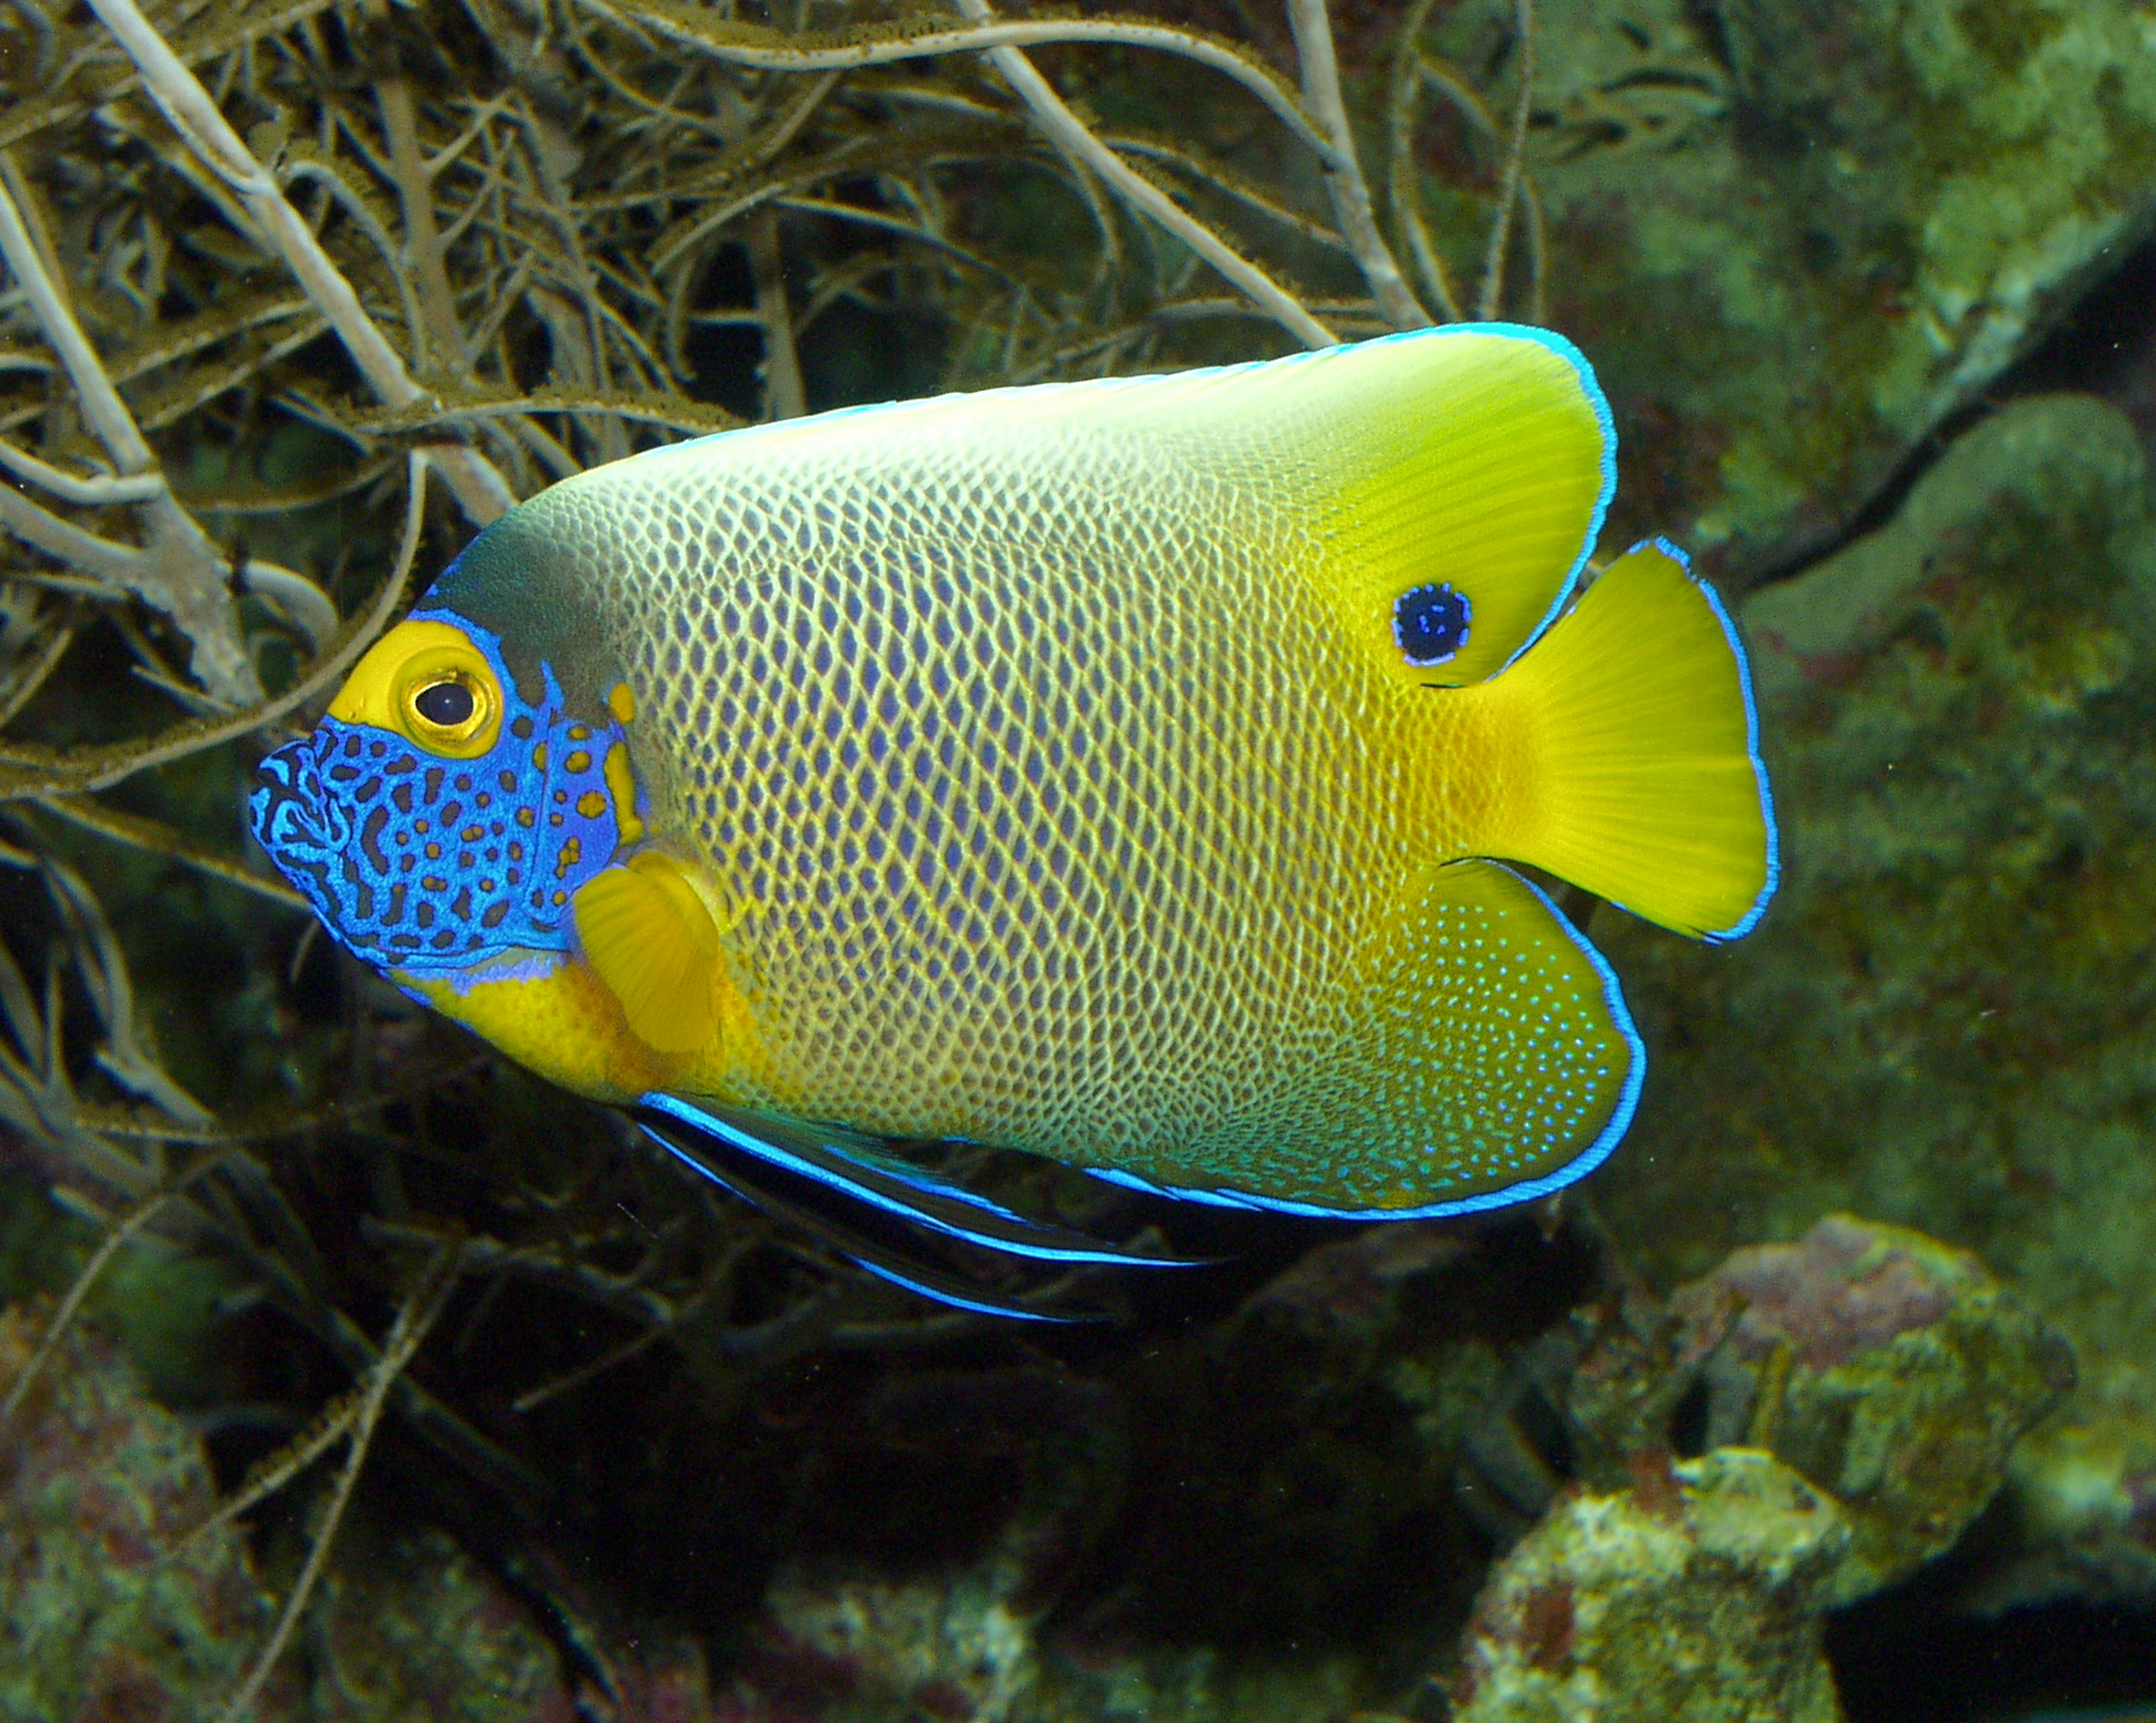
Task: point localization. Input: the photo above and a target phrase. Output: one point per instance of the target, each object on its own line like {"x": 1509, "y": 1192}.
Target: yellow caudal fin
{"x": 648, "y": 934}
{"x": 1636, "y": 745}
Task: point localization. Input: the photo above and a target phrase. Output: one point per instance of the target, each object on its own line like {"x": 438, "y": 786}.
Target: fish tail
{"x": 1638, "y": 774}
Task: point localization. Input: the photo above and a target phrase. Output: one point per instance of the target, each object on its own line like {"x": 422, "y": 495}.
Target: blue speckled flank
{"x": 1750, "y": 918}
{"x": 1578, "y": 1167}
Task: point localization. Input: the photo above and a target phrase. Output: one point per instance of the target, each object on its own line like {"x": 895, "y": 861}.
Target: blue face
{"x": 423, "y": 860}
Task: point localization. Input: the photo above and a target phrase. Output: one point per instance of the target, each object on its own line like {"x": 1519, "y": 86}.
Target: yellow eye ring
{"x": 397, "y": 687}
{"x": 443, "y": 709}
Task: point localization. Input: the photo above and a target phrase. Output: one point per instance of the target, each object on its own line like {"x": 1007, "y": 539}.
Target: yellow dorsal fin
{"x": 1479, "y": 459}
{"x": 1474, "y": 455}
{"x": 648, "y": 934}
{"x": 1635, "y": 768}
{"x": 1478, "y": 456}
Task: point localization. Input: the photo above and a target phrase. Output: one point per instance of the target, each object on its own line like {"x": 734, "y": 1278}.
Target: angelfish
{"x": 1123, "y": 771}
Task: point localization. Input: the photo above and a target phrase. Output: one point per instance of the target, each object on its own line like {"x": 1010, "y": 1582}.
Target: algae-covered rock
{"x": 406, "y": 1626}
{"x": 954, "y": 1644}
{"x": 110, "y": 1610}
{"x": 1947, "y": 1019}
{"x": 1795, "y": 236}
{"x": 114, "y": 1608}
{"x": 1892, "y": 1371}
{"x": 1692, "y": 1598}
{"x": 2082, "y": 1496}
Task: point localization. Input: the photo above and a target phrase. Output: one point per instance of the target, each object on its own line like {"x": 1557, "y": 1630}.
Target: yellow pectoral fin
{"x": 554, "y": 1015}
{"x": 649, "y": 938}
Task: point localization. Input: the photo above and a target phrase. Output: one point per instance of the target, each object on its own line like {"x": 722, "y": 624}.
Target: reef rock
{"x": 1893, "y": 1372}
{"x": 112, "y": 1610}
{"x": 1692, "y": 1598}
{"x": 1795, "y": 235}
{"x": 116, "y": 1608}
{"x": 1948, "y": 1020}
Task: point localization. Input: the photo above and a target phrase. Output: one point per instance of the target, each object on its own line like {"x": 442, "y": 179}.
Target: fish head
{"x": 445, "y": 811}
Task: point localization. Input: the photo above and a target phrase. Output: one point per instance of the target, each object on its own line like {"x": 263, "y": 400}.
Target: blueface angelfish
{"x": 1123, "y": 771}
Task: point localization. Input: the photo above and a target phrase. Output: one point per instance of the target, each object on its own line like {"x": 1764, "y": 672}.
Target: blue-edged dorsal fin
{"x": 1479, "y": 459}
{"x": 1475, "y": 460}
{"x": 861, "y": 1168}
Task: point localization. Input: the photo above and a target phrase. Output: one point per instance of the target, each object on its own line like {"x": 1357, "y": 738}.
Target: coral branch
{"x": 1069, "y": 133}
{"x": 479, "y": 488}
{"x": 156, "y": 839}
{"x": 783, "y": 397}
{"x": 745, "y": 44}
{"x": 1508, "y": 182}
{"x": 181, "y": 572}
{"x": 98, "y": 492}
{"x": 422, "y": 1307}
{"x": 27, "y": 774}
{"x": 1404, "y": 195}
{"x": 415, "y": 195}
{"x": 56, "y": 1326}
{"x": 1343, "y": 173}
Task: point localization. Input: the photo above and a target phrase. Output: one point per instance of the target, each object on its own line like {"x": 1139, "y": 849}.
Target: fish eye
{"x": 445, "y": 708}
{"x": 1429, "y": 624}
{"x": 445, "y": 705}
{"x": 429, "y": 683}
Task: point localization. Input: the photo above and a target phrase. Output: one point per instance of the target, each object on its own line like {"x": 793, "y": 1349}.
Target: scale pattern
{"x": 1058, "y": 817}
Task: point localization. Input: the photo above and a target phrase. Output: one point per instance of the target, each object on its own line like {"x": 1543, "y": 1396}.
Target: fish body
{"x": 1119, "y": 771}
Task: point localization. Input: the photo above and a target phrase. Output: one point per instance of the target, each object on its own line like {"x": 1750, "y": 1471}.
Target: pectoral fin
{"x": 646, "y": 933}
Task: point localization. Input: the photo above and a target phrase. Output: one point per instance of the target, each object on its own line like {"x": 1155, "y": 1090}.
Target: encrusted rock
{"x": 1692, "y": 1598}
{"x": 114, "y": 1609}
{"x": 954, "y": 1645}
{"x": 1948, "y": 1020}
{"x": 110, "y": 1613}
{"x": 1795, "y": 235}
{"x": 1892, "y": 1371}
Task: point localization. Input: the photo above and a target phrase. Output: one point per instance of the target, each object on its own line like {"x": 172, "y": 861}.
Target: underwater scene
{"x": 1264, "y": 861}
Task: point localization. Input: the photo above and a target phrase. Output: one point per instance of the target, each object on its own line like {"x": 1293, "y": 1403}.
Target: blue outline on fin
{"x": 956, "y": 1301}
{"x": 864, "y": 1254}
{"x": 1591, "y": 386}
{"x": 1578, "y": 1168}
{"x": 868, "y": 1193}
{"x": 1750, "y": 918}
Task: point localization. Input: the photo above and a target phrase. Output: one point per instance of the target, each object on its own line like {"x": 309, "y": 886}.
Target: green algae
{"x": 113, "y": 1610}
{"x": 1871, "y": 214}
{"x": 119, "y": 1603}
